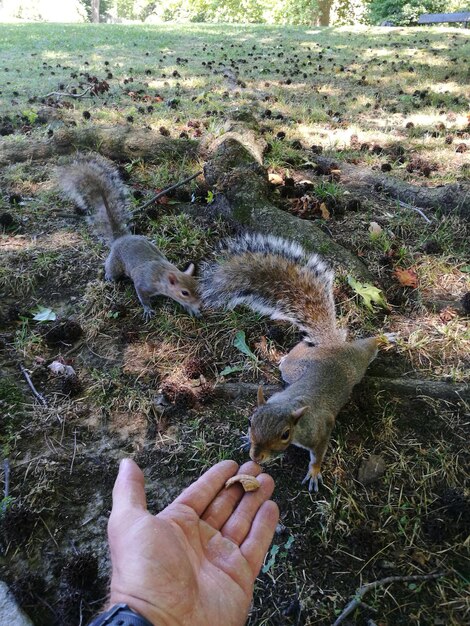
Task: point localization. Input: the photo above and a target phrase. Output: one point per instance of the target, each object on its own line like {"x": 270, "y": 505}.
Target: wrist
{"x": 120, "y": 615}
{"x": 147, "y": 610}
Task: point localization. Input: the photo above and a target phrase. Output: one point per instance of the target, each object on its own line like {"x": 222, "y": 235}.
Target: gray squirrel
{"x": 94, "y": 184}
{"x": 279, "y": 278}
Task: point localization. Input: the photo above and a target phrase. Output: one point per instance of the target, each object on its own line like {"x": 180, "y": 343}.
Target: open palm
{"x": 196, "y": 561}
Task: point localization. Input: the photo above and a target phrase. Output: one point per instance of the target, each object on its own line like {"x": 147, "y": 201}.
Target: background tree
{"x": 95, "y": 10}
{"x": 406, "y": 12}
{"x": 324, "y": 11}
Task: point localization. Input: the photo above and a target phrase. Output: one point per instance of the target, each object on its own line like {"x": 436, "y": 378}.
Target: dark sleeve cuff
{"x": 122, "y": 615}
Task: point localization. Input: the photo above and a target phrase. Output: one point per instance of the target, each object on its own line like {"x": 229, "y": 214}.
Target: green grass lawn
{"x": 328, "y": 85}
{"x": 375, "y": 97}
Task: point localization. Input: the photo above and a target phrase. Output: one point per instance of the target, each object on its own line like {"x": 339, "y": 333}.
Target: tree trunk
{"x": 95, "y": 11}
{"x": 324, "y": 7}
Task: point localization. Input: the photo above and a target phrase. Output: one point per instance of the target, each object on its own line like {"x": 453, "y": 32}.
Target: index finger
{"x": 201, "y": 493}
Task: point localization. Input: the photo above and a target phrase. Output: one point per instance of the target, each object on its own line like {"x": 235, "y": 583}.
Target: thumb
{"x": 128, "y": 492}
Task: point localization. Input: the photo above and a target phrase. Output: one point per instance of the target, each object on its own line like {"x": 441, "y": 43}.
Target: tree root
{"x": 234, "y": 169}
{"x": 403, "y": 387}
{"x": 356, "y": 602}
{"x": 454, "y": 198}
{"x": 119, "y": 143}
{"x": 415, "y": 387}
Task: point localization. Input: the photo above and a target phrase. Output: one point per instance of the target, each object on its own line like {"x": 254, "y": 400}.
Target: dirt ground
{"x": 148, "y": 390}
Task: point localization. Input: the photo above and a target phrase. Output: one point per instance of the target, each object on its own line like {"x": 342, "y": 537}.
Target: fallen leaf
{"x": 375, "y": 229}
{"x": 406, "y": 278}
{"x": 420, "y": 557}
{"x": 240, "y": 343}
{"x": 43, "y": 314}
{"x": 58, "y": 369}
{"x": 231, "y": 369}
{"x": 447, "y": 314}
{"x": 324, "y": 211}
{"x": 368, "y": 293}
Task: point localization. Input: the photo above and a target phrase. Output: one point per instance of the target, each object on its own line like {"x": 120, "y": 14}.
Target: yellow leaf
{"x": 324, "y": 211}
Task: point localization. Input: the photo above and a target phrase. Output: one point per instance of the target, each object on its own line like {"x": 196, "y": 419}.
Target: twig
{"x": 6, "y": 478}
{"x": 405, "y": 205}
{"x": 35, "y": 392}
{"x": 71, "y": 350}
{"x": 66, "y": 93}
{"x": 165, "y": 191}
{"x": 361, "y": 592}
{"x": 242, "y": 390}
{"x": 50, "y": 534}
{"x": 74, "y": 450}
{"x": 29, "y": 461}
{"x": 74, "y": 216}
{"x": 146, "y": 204}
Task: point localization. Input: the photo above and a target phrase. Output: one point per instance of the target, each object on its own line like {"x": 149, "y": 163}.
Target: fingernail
{"x": 124, "y": 463}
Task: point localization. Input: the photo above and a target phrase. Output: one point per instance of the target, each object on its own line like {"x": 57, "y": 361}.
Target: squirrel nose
{"x": 257, "y": 457}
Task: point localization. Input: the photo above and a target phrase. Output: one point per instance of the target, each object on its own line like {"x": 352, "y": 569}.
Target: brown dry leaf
{"x": 301, "y": 206}
{"x": 420, "y": 557}
{"x": 324, "y": 211}
{"x": 447, "y": 314}
{"x": 249, "y": 483}
{"x": 406, "y": 278}
{"x": 262, "y": 345}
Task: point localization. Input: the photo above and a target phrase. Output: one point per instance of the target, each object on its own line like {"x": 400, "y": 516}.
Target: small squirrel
{"x": 94, "y": 184}
{"x": 279, "y": 278}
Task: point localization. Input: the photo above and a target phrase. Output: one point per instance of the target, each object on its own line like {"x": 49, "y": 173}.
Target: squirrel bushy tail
{"x": 94, "y": 184}
{"x": 275, "y": 277}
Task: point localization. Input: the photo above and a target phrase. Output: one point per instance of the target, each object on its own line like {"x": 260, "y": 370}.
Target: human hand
{"x": 196, "y": 561}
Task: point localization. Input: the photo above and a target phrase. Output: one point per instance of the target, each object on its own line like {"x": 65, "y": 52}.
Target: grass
{"x": 147, "y": 389}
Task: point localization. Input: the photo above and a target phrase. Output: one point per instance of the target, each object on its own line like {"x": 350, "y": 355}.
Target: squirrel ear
{"x": 297, "y": 414}
{"x": 261, "y": 399}
{"x": 172, "y": 278}
{"x": 190, "y": 269}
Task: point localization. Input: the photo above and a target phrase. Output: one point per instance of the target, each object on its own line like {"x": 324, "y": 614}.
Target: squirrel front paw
{"x": 148, "y": 313}
{"x": 313, "y": 476}
{"x": 245, "y": 443}
{"x": 386, "y": 339}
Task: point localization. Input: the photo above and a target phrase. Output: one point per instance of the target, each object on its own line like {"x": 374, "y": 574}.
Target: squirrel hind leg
{"x": 313, "y": 475}
{"x": 113, "y": 268}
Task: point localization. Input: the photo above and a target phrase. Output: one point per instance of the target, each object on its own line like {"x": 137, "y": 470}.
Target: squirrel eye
{"x": 285, "y": 435}
{"x": 184, "y": 292}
